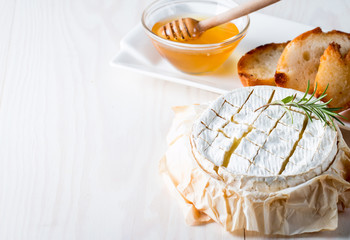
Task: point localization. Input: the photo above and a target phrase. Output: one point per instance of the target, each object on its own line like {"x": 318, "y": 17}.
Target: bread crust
{"x": 257, "y": 66}
{"x": 307, "y": 34}
{"x": 249, "y": 80}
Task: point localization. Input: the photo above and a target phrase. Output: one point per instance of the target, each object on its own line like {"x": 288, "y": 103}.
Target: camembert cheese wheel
{"x": 267, "y": 149}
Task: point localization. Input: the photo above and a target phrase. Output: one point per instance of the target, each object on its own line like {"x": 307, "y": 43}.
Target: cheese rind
{"x": 280, "y": 148}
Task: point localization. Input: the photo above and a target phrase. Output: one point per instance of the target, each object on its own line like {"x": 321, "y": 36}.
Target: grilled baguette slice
{"x": 300, "y": 59}
{"x": 335, "y": 71}
{"x": 258, "y": 66}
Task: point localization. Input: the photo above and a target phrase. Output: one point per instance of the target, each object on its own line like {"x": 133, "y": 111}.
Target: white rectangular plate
{"x": 137, "y": 53}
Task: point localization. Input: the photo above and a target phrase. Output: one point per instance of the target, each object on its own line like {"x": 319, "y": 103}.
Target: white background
{"x": 80, "y": 141}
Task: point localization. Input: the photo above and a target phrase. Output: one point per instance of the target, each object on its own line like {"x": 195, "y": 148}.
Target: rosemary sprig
{"x": 310, "y": 105}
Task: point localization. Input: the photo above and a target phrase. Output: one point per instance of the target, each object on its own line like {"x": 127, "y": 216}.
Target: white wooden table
{"x": 80, "y": 141}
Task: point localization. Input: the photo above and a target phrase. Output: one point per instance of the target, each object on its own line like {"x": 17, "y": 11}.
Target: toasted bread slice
{"x": 300, "y": 59}
{"x": 335, "y": 71}
{"x": 258, "y": 66}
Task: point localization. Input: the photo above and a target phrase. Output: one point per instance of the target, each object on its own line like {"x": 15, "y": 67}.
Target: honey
{"x": 200, "y": 59}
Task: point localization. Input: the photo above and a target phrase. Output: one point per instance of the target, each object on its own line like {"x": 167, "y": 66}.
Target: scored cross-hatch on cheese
{"x": 268, "y": 145}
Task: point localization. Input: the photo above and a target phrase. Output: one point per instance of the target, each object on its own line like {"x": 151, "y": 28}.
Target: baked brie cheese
{"x": 270, "y": 146}
{"x": 260, "y": 168}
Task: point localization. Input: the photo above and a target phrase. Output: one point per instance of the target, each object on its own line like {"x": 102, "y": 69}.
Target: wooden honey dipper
{"x": 184, "y": 29}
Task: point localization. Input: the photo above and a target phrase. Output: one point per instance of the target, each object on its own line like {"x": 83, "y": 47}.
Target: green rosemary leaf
{"x": 287, "y": 99}
{"x": 313, "y": 94}
{"x": 306, "y": 92}
{"x": 331, "y": 113}
{"x": 338, "y": 120}
{"x": 316, "y": 100}
{"x": 324, "y": 92}
{"x": 335, "y": 110}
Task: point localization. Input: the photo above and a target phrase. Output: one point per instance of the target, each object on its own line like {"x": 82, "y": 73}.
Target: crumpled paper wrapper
{"x": 308, "y": 207}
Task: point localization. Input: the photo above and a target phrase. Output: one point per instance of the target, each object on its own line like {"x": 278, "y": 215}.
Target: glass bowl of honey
{"x": 201, "y": 55}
